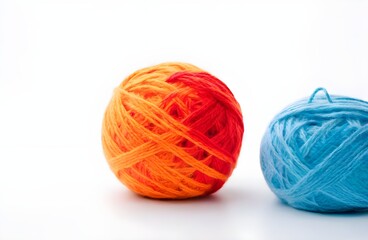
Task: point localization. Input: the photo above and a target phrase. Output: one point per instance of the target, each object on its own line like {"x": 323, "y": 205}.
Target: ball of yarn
{"x": 314, "y": 154}
{"x": 172, "y": 131}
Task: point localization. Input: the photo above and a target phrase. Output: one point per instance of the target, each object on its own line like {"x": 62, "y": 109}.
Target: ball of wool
{"x": 314, "y": 154}
{"x": 172, "y": 131}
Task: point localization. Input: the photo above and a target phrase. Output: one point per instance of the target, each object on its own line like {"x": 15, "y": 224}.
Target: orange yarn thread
{"x": 172, "y": 131}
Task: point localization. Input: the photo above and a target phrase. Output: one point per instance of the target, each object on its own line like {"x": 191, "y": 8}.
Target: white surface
{"x": 60, "y": 60}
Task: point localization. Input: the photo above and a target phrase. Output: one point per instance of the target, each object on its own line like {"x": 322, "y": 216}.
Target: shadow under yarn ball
{"x": 314, "y": 154}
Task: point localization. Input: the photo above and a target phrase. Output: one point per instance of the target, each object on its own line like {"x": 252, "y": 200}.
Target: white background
{"x": 60, "y": 61}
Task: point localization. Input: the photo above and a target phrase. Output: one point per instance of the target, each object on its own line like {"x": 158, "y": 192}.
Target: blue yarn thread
{"x": 314, "y": 154}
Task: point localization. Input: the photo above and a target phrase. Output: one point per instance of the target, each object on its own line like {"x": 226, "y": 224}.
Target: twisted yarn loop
{"x": 172, "y": 131}
{"x": 314, "y": 154}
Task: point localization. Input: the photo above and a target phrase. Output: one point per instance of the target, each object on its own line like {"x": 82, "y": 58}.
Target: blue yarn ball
{"x": 314, "y": 154}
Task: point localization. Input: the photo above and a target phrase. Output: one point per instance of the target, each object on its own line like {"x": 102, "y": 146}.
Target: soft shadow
{"x": 224, "y": 203}
{"x": 228, "y": 196}
{"x": 347, "y": 214}
{"x": 280, "y": 221}
{"x": 196, "y": 218}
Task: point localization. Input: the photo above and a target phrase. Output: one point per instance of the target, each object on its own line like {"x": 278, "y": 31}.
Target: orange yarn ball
{"x": 172, "y": 131}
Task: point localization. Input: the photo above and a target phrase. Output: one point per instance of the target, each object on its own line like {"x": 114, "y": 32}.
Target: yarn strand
{"x": 318, "y": 90}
